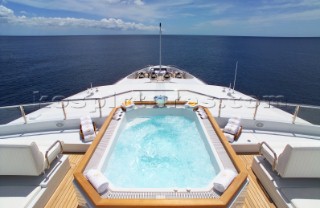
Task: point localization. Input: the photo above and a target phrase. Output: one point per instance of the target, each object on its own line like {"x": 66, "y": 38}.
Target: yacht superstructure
{"x": 271, "y": 129}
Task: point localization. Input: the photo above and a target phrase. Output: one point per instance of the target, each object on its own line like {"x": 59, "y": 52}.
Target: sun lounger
{"x": 290, "y": 173}
{"x": 294, "y": 160}
{"x": 29, "y": 174}
{"x": 287, "y": 192}
{"x": 27, "y": 159}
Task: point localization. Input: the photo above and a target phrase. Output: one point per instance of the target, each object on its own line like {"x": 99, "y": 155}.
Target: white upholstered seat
{"x": 294, "y": 160}
{"x": 26, "y": 158}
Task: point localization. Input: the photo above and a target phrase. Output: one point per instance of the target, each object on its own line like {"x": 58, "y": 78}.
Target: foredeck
{"x": 65, "y": 195}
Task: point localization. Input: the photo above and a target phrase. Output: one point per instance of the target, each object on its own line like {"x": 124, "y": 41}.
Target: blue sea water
{"x": 65, "y": 65}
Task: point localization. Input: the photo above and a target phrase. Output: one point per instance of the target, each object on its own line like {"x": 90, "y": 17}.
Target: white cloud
{"x": 4, "y": 11}
{"x": 8, "y": 16}
{"x": 134, "y": 10}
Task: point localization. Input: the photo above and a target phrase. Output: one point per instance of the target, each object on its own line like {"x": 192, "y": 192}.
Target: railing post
{"x": 64, "y": 111}
{"x": 114, "y": 100}
{"x": 295, "y": 114}
{"x": 256, "y": 110}
{"x": 220, "y": 104}
{"x": 100, "y": 111}
{"x": 23, "y": 114}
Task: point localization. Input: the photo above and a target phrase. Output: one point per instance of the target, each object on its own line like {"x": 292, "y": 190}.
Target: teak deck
{"x": 65, "y": 195}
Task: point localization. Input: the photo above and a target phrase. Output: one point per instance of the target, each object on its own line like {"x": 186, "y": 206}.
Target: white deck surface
{"x": 146, "y": 89}
{"x": 50, "y": 124}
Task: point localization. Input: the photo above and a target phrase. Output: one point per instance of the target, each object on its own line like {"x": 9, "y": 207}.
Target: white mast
{"x": 160, "y": 44}
{"x": 235, "y": 76}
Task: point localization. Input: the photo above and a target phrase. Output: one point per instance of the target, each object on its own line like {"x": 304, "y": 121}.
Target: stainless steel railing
{"x": 222, "y": 107}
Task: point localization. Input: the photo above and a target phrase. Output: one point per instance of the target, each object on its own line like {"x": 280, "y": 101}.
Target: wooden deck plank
{"x": 65, "y": 195}
{"x": 256, "y": 196}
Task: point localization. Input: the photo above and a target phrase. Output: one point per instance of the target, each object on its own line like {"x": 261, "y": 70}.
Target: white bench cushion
{"x": 25, "y": 158}
{"x": 296, "y": 160}
{"x": 299, "y": 162}
{"x": 21, "y": 159}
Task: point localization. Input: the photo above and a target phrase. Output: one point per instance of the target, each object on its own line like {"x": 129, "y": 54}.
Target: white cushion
{"x": 21, "y": 159}
{"x": 25, "y": 158}
{"x": 298, "y": 161}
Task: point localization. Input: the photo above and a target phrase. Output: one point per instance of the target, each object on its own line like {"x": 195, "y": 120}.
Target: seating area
{"x": 290, "y": 173}
{"x": 29, "y": 174}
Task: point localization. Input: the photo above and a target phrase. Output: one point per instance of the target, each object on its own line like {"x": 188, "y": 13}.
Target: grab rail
{"x": 47, "y": 152}
{"x": 274, "y": 154}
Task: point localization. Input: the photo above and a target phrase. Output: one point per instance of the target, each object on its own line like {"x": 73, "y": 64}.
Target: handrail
{"x": 166, "y": 90}
{"x": 212, "y": 98}
{"x": 47, "y": 152}
{"x": 274, "y": 154}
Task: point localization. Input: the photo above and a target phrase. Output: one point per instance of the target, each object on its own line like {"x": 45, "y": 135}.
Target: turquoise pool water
{"x": 160, "y": 151}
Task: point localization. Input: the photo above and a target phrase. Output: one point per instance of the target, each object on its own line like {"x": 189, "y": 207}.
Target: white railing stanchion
{"x": 114, "y": 100}
{"x": 295, "y": 114}
{"x": 64, "y": 111}
{"x": 256, "y": 110}
{"x": 100, "y": 111}
{"x": 220, "y": 104}
{"x": 23, "y": 114}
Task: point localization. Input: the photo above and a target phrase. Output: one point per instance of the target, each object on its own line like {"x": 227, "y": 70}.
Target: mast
{"x": 235, "y": 76}
{"x": 160, "y": 45}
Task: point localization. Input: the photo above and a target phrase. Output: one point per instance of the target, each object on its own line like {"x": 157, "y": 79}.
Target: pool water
{"x": 161, "y": 151}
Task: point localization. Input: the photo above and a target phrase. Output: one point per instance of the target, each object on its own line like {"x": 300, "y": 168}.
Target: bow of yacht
{"x": 36, "y": 140}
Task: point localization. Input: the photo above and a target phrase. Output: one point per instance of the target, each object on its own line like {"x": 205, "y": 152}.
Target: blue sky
{"x": 287, "y": 18}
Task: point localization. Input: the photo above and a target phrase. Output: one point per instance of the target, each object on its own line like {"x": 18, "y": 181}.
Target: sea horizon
{"x": 249, "y": 36}
{"x": 268, "y": 66}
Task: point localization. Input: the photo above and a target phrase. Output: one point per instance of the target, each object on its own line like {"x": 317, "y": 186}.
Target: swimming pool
{"x": 100, "y": 153}
{"x": 160, "y": 149}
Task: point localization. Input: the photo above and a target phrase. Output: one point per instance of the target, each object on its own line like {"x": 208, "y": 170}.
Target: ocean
{"x": 288, "y": 68}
